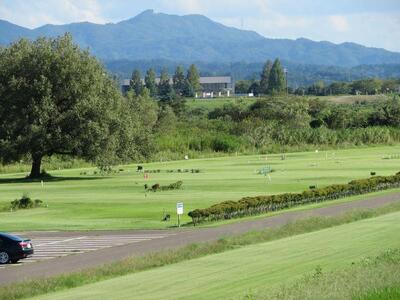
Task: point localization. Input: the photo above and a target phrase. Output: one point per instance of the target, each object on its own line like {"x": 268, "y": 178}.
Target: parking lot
{"x": 53, "y": 246}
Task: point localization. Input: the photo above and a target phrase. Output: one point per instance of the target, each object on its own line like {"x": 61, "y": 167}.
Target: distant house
{"x": 211, "y": 86}
{"x": 217, "y": 86}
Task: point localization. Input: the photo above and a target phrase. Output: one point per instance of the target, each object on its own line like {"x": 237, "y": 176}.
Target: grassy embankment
{"x": 193, "y": 251}
{"x": 258, "y": 268}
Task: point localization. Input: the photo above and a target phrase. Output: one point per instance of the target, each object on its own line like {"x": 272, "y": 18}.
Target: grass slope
{"x": 244, "y": 270}
{"x": 78, "y": 202}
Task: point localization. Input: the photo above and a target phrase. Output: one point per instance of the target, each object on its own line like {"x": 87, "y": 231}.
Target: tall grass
{"x": 387, "y": 293}
{"x": 167, "y": 257}
{"x": 370, "y": 278}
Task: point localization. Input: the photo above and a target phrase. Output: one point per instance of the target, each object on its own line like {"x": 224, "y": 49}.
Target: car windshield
{"x": 11, "y": 237}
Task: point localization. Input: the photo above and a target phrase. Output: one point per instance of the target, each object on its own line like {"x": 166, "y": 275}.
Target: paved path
{"x": 62, "y": 252}
{"x": 50, "y": 246}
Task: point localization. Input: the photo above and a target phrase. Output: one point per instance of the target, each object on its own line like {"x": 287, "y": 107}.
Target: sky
{"x": 374, "y": 23}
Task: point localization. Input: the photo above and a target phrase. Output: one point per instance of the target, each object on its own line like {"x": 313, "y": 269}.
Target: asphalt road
{"x": 63, "y": 252}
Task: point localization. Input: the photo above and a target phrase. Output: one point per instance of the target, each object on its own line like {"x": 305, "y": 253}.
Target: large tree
{"x": 165, "y": 91}
{"x": 150, "y": 82}
{"x": 136, "y": 84}
{"x": 276, "y": 80}
{"x": 193, "y": 79}
{"x": 263, "y": 88}
{"x": 179, "y": 81}
{"x": 58, "y": 99}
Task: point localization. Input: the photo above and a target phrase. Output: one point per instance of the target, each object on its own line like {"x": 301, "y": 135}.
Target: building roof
{"x": 208, "y": 79}
{"x": 216, "y": 79}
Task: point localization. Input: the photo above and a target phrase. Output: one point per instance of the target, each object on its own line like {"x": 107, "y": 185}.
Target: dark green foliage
{"x": 242, "y": 86}
{"x": 57, "y": 99}
{"x": 193, "y": 78}
{"x": 226, "y": 143}
{"x": 364, "y": 86}
{"x": 262, "y": 204}
{"x": 173, "y": 186}
{"x": 179, "y": 82}
{"x": 299, "y": 75}
{"x": 265, "y": 77}
{"x": 276, "y": 79}
{"x": 150, "y": 82}
{"x": 136, "y": 84}
{"x": 165, "y": 91}
{"x": 25, "y": 202}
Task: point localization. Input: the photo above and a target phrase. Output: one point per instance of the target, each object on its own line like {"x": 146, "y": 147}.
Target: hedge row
{"x": 261, "y": 204}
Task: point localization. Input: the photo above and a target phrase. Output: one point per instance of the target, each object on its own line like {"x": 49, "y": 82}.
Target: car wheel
{"x": 4, "y": 258}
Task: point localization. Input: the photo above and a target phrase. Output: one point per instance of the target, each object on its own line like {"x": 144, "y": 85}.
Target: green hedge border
{"x": 249, "y": 206}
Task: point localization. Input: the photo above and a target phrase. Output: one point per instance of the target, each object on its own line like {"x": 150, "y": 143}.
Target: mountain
{"x": 189, "y": 38}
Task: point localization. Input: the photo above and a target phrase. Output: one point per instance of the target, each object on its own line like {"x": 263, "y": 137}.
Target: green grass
{"x": 247, "y": 269}
{"x": 387, "y": 293}
{"x": 211, "y": 104}
{"x": 79, "y": 202}
{"x": 167, "y": 257}
{"x": 373, "y": 277}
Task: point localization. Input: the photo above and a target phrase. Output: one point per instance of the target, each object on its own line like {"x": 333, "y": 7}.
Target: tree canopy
{"x": 150, "y": 82}
{"x": 179, "y": 81}
{"x": 193, "y": 78}
{"x": 276, "y": 79}
{"x": 136, "y": 84}
{"x": 263, "y": 89}
{"x": 57, "y": 99}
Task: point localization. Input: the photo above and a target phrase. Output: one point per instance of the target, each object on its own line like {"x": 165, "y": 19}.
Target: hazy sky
{"x": 369, "y": 22}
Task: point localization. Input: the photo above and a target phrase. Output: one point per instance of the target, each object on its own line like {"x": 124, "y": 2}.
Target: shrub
{"x": 173, "y": 186}
{"x": 225, "y": 144}
{"x": 262, "y": 204}
{"x": 25, "y": 202}
{"x": 155, "y": 187}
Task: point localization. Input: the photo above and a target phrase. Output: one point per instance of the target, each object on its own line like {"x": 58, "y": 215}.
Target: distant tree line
{"x": 272, "y": 81}
{"x": 367, "y": 86}
{"x": 358, "y": 87}
{"x": 166, "y": 90}
{"x": 299, "y": 75}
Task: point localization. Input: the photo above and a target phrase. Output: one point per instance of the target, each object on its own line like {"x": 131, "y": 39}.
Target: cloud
{"x": 339, "y": 23}
{"x": 39, "y": 12}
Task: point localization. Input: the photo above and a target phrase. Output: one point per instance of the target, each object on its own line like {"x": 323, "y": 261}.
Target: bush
{"x": 261, "y": 204}
{"x": 173, "y": 186}
{"x": 155, "y": 187}
{"x": 25, "y": 202}
{"x": 225, "y": 144}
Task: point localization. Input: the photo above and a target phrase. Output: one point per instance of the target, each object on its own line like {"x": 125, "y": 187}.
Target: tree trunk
{"x": 36, "y": 163}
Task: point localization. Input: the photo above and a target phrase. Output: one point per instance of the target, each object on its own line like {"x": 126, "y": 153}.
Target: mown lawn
{"x": 77, "y": 202}
{"x": 252, "y": 268}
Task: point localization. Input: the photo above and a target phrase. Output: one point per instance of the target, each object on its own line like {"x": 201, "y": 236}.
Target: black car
{"x": 13, "y": 248}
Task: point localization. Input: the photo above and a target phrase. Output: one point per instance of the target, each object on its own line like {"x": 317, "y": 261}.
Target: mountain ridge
{"x": 151, "y": 35}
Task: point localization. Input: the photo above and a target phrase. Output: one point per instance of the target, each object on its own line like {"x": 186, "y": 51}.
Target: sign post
{"x": 179, "y": 211}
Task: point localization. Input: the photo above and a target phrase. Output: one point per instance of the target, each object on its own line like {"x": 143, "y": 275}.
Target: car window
{"x": 11, "y": 237}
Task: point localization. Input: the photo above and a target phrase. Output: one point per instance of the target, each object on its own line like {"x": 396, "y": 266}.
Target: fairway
{"x": 252, "y": 268}
{"x": 77, "y": 202}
